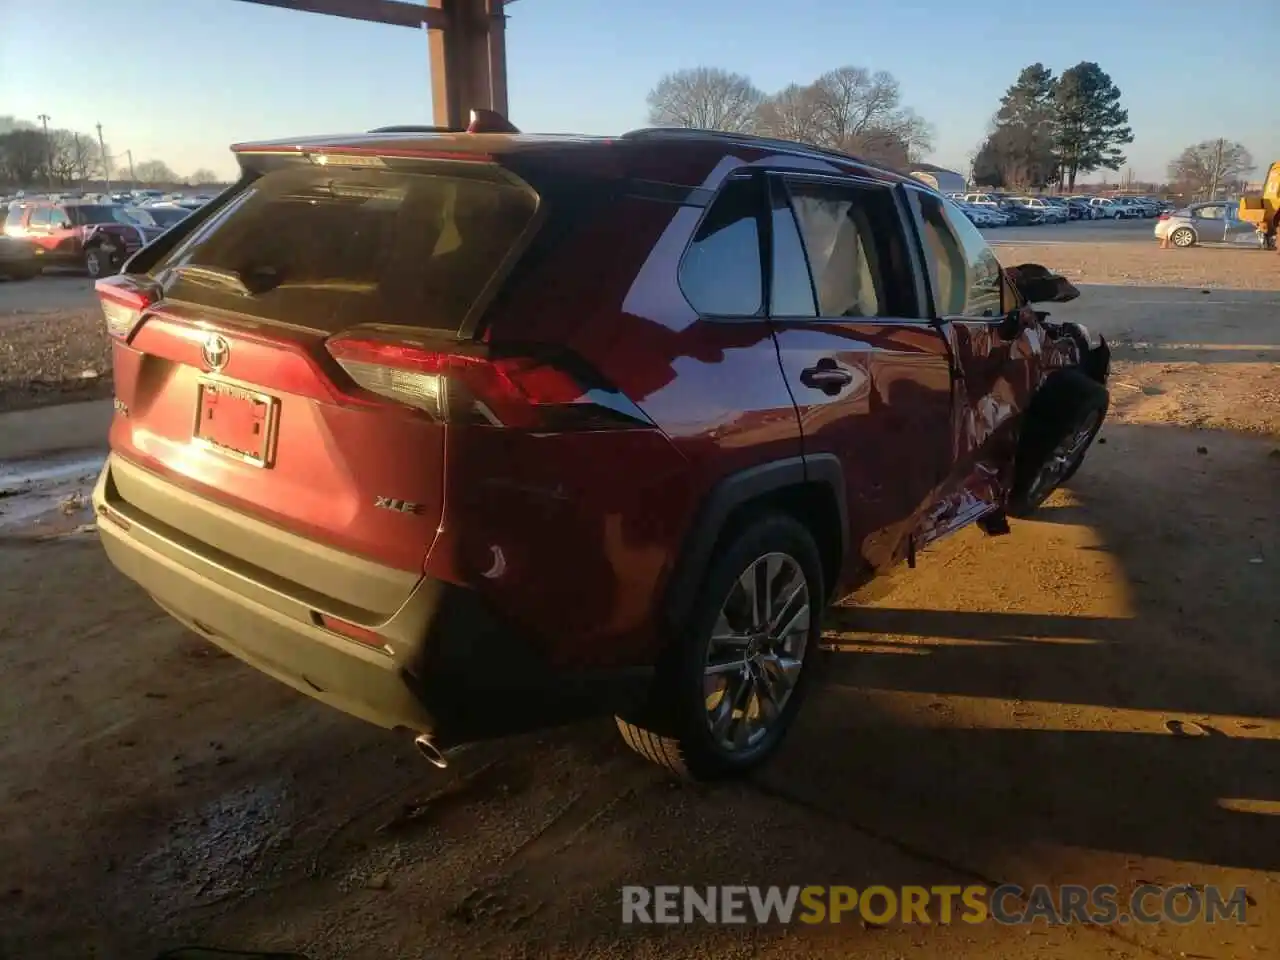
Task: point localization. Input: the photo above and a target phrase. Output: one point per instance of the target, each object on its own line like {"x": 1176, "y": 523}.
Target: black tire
{"x": 672, "y": 728}
{"x": 99, "y": 262}
{"x": 1065, "y": 417}
{"x": 1187, "y": 236}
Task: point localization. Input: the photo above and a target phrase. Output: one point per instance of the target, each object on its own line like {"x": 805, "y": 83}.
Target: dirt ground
{"x": 53, "y": 345}
{"x": 1089, "y": 700}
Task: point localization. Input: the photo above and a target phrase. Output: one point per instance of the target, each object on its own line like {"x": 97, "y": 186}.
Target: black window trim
{"x": 776, "y": 189}
{"x": 922, "y": 304}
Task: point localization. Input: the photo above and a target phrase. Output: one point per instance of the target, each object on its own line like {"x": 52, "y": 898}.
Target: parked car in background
{"x": 1108, "y": 208}
{"x": 1130, "y": 208}
{"x": 95, "y": 236}
{"x": 1049, "y": 213}
{"x": 983, "y": 216}
{"x": 1079, "y": 209}
{"x": 1061, "y": 204}
{"x": 158, "y": 215}
{"x": 1217, "y": 221}
{"x": 18, "y": 258}
{"x": 642, "y": 464}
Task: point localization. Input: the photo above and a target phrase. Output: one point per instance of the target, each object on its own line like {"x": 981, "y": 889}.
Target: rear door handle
{"x": 826, "y": 376}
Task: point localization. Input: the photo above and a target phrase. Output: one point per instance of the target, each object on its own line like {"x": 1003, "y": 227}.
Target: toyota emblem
{"x": 215, "y": 352}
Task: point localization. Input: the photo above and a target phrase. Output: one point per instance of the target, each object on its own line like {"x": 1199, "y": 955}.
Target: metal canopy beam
{"x": 394, "y": 13}
{"x": 466, "y": 39}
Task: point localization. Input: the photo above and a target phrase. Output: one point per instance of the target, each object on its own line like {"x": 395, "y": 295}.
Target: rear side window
{"x": 39, "y": 217}
{"x": 329, "y": 248}
{"x": 721, "y": 274}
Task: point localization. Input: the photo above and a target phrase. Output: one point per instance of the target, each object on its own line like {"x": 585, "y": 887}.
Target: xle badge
{"x": 397, "y": 506}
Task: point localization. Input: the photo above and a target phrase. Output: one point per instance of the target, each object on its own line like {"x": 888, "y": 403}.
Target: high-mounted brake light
{"x": 124, "y": 299}
{"x": 453, "y": 387}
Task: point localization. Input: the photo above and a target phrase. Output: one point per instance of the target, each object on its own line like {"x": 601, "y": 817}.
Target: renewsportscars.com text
{"x": 975, "y": 903}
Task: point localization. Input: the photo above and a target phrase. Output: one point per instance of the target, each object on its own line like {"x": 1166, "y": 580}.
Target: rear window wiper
{"x": 261, "y": 278}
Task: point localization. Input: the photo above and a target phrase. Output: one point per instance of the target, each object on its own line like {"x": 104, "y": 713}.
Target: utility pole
{"x": 48, "y": 151}
{"x": 1217, "y": 169}
{"x": 106, "y": 162}
{"x": 133, "y": 181}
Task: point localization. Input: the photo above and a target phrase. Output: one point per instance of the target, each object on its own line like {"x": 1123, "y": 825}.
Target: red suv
{"x": 469, "y": 433}
{"x": 95, "y": 236}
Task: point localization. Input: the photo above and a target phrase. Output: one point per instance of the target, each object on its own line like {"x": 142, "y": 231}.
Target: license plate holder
{"x": 236, "y": 422}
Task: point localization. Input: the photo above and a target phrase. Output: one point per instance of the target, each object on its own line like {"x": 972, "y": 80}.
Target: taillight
{"x": 124, "y": 299}
{"x": 455, "y": 387}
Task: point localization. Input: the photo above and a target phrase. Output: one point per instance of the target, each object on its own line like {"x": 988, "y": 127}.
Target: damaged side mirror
{"x": 1036, "y": 284}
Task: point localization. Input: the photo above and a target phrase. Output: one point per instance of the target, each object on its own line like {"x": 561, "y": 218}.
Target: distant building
{"x": 940, "y": 178}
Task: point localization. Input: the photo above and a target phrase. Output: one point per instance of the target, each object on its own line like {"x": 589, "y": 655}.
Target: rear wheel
{"x": 95, "y": 262}
{"x": 727, "y": 691}
{"x": 1065, "y": 417}
{"x": 1183, "y": 237}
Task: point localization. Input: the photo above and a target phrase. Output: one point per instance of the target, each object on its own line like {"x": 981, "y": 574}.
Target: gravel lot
{"x": 1090, "y": 700}
{"x": 53, "y": 347}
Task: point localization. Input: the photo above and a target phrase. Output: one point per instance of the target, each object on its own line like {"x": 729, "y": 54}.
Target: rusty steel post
{"x": 468, "y": 59}
{"x": 466, "y": 40}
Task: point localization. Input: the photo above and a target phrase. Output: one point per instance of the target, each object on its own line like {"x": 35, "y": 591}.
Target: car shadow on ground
{"x": 1152, "y": 731}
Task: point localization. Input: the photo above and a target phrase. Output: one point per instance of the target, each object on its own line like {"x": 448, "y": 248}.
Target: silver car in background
{"x": 1215, "y": 221}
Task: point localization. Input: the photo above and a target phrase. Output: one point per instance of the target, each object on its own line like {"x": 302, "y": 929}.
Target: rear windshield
{"x": 328, "y": 248}
{"x": 82, "y": 213}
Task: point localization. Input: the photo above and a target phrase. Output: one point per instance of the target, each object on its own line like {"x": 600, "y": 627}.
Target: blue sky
{"x": 179, "y": 80}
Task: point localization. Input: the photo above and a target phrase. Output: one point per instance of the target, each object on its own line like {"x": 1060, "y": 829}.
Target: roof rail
{"x": 746, "y": 139}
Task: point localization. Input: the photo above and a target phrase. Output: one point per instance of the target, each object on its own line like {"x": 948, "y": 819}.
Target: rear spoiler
{"x": 482, "y": 121}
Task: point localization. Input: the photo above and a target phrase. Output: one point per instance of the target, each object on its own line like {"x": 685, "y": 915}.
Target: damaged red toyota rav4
{"x": 468, "y": 433}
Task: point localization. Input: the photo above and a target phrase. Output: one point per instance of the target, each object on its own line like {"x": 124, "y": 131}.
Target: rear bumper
{"x": 449, "y": 668}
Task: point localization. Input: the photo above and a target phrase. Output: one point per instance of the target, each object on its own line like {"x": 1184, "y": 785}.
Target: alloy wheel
{"x": 1183, "y": 237}
{"x": 756, "y": 652}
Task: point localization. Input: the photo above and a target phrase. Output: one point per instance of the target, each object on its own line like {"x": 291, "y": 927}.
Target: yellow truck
{"x": 1263, "y": 209}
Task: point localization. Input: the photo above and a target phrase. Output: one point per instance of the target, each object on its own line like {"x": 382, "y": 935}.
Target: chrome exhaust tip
{"x": 428, "y": 749}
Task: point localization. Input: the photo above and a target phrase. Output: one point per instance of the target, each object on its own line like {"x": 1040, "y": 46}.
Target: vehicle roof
{"x": 682, "y": 146}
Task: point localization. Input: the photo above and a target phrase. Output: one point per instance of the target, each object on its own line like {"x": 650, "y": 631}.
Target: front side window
{"x": 1213, "y": 212}
{"x": 59, "y": 220}
{"x": 39, "y": 217}
{"x": 721, "y": 274}
{"x": 967, "y": 274}
{"x": 853, "y": 240}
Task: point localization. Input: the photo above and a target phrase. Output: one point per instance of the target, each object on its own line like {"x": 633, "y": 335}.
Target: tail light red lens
{"x": 1163, "y": 216}
{"x": 124, "y": 299}
{"x": 460, "y": 388}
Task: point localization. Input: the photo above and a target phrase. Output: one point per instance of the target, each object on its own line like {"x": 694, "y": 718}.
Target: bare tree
{"x": 853, "y": 100}
{"x": 155, "y": 171}
{"x": 706, "y": 98}
{"x": 794, "y": 113}
{"x": 851, "y": 110}
{"x": 1205, "y": 168}
{"x": 202, "y": 177}
{"x": 23, "y": 155}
